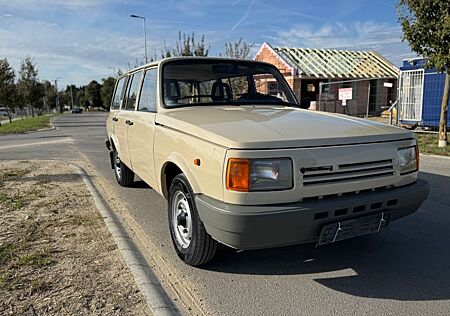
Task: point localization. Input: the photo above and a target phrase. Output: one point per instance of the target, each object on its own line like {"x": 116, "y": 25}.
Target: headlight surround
{"x": 408, "y": 159}
{"x": 272, "y": 174}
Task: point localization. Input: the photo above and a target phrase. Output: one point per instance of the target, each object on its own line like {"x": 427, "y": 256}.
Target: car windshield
{"x": 205, "y": 82}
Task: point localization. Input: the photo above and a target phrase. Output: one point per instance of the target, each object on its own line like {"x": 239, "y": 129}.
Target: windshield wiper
{"x": 271, "y": 102}
{"x": 286, "y": 103}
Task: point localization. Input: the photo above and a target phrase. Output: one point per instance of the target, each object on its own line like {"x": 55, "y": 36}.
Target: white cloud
{"x": 33, "y": 5}
{"x": 81, "y": 54}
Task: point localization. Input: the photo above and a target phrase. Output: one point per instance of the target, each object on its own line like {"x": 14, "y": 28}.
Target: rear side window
{"x": 115, "y": 105}
{"x": 132, "y": 91}
{"x": 147, "y": 99}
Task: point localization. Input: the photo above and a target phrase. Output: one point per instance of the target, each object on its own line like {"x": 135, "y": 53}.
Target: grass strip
{"x": 428, "y": 144}
{"x": 26, "y": 125}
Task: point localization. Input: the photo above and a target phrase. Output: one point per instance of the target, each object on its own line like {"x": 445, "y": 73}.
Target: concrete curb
{"x": 45, "y": 129}
{"x": 157, "y": 299}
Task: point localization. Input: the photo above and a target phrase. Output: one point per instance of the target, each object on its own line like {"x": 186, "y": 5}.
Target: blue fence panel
{"x": 433, "y": 89}
{"x": 432, "y": 97}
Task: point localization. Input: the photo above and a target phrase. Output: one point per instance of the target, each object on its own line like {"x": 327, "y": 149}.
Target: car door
{"x": 125, "y": 115}
{"x": 141, "y": 133}
{"x": 116, "y": 101}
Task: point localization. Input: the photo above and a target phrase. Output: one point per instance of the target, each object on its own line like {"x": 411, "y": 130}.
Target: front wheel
{"x": 191, "y": 241}
{"x": 124, "y": 175}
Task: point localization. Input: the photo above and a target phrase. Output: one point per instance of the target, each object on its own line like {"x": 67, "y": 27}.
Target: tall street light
{"x": 145, "y": 33}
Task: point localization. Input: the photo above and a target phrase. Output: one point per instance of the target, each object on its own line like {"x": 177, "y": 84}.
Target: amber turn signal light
{"x": 238, "y": 174}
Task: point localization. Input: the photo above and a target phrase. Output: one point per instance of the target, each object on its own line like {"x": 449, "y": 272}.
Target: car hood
{"x": 255, "y": 127}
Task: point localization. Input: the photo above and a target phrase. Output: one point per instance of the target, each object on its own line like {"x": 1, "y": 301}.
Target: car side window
{"x": 115, "y": 105}
{"x": 147, "y": 99}
{"x": 132, "y": 93}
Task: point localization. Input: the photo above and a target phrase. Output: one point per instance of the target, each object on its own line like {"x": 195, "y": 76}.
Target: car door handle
{"x": 115, "y": 119}
{"x": 129, "y": 122}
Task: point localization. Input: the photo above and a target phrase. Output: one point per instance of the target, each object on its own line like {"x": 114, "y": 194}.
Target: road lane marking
{"x": 48, "y": 142}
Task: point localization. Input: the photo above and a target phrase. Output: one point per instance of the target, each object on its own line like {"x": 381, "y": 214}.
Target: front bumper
{"x": 265, "y": 226}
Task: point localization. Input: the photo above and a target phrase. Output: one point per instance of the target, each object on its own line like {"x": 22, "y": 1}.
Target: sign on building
{"x": 345, "y": 94}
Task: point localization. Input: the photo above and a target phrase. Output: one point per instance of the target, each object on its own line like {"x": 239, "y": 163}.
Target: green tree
{"x": 49, "y": 98}
{"x": 239, "y": 49}
{"x": 82, "y": 98}
{"x": 107, "y": 91}
{"x": 40, "y": 95}
{"x": 64, "y": 99}
{"x": 93, "y": 94}
{"x": 71, "y": 92}
{"x": 426, "y": 26}
{"x": 28, "y": 87}
{"x": 7, "y": 87}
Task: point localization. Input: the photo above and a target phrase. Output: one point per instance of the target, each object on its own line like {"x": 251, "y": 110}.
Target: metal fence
{"x": 369, "y": 98}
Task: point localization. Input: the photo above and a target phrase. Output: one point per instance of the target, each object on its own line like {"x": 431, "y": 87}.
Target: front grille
{"x": 347, "y": 172}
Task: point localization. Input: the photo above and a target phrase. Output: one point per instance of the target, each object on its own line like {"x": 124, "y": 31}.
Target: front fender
{"x": 184, "y": 166}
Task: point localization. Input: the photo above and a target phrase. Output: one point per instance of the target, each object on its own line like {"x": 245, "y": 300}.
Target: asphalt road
{"x": 404, "y": 270}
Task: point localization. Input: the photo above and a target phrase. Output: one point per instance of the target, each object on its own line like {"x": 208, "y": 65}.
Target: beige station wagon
{"x": 241, "y": 163}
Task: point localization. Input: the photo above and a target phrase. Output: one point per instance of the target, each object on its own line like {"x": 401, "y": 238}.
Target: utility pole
{"x": 57, "y": 96}
{"x": 71, "y": 95}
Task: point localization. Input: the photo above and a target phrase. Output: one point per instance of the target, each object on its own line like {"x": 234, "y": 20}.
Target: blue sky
{"x": 78, "y": 40}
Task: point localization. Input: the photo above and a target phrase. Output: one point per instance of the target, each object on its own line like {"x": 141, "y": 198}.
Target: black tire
{"x": 124, "y": 175}
{"x": 201, "y": 248}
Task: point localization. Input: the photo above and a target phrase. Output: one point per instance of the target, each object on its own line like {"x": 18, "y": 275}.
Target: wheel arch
{"x": 170, "y": 169}
{"x": 114, "y": 143}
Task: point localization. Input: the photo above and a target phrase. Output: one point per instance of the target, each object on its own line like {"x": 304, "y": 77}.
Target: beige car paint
{"x": 140, "y": 146}
{"x": 182, "y": 149}
{"x": 215, "y": 134}
{"x": 263, "y": 126}
{"x": 121, "y": 132}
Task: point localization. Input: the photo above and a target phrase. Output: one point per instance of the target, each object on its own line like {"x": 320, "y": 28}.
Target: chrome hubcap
{"x": 181, "y": 219}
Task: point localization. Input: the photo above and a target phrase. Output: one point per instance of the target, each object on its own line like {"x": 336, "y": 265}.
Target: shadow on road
{"x": 79, "y": 124}
{"x": 139, "y": 184}
{"x": 410, "y": 260}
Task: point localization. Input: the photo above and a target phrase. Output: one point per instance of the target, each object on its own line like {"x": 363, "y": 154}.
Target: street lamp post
{"x": 145, "y": 33}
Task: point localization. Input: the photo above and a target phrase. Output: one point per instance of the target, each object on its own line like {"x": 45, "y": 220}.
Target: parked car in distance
{"x": 77, "y": 111}
{"x": 241, "y": 163}
{"x": 3, "y": 112}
